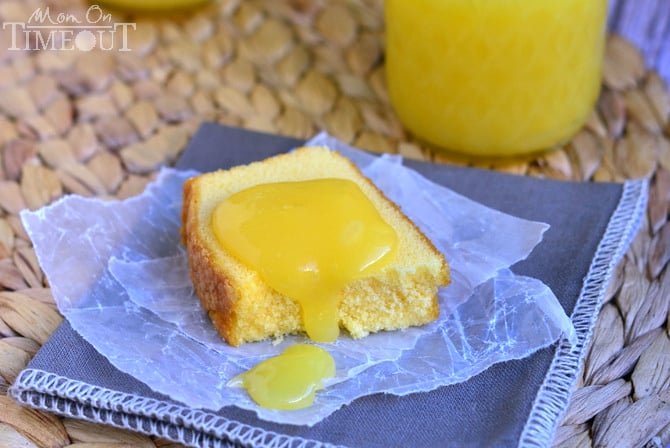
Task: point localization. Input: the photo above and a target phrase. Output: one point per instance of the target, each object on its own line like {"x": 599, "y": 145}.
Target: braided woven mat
{"x": 100, "y": 123}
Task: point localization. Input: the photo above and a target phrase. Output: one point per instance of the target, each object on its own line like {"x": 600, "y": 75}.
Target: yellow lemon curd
{"x": 290, "y": 380}
{"x": 151, "y": 5}
{"x": 307, "y": 240}
{"x": 494, "y": 77}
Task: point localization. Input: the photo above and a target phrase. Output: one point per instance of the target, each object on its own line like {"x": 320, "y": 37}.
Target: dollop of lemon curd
{"x": 288, "y": 381}
{"x": 307, "y": 240}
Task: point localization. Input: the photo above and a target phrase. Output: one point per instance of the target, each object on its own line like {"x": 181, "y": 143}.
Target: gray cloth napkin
{"x": 516, "y": 403}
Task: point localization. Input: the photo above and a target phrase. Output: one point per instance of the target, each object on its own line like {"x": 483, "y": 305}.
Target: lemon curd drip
{"x": 307, "y": 240}
{"x": 290, "y": 380}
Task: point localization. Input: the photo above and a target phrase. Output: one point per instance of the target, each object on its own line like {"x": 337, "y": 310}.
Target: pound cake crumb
{"x": 243, "y": 308}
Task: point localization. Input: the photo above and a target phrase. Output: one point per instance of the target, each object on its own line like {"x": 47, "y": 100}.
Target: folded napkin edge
{"x": 553, "y": 397}
{"x": 67, "y": 397}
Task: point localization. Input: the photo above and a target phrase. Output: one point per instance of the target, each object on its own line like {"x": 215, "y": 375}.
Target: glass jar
{"x": 494, "y": 77}
{"x": 150, "y": 6}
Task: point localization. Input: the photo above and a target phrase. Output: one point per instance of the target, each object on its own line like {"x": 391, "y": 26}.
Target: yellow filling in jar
{"x": 494, "y": 77}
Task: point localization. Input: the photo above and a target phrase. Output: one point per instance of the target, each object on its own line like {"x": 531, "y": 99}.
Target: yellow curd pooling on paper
{"x": 290, "y": 380}
{"x": 494, "y": 77}
{"x": 307, "y": 240}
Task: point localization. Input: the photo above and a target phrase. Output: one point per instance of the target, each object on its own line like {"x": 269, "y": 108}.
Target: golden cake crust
{"x": 213, "y": 288}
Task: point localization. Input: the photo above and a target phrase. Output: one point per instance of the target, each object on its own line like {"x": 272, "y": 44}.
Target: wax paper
{"x": 119, "y": 274}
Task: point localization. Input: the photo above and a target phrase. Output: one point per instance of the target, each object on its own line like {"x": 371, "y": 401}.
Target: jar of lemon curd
{"x": 151, "y": 6}
{"x": 494, "y": 77}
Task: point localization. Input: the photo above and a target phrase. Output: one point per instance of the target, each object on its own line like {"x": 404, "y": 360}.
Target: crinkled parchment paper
{"x": 119, "y": 274}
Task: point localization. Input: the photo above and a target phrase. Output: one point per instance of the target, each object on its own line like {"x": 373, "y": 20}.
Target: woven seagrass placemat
{"x": 100, "y": 123}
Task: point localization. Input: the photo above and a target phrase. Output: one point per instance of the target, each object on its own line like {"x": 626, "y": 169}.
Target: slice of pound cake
{"x": 303, "y": 242}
